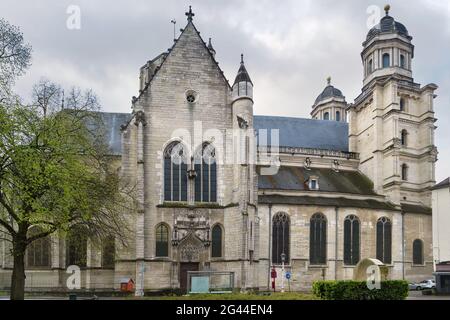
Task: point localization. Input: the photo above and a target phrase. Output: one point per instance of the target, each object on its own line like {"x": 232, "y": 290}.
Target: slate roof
{"x": 387, "y": 25}
{"x": 441, "y": 185}
{"x": 242, "y": 75}
{"x": 412, "y": 208}
{"x": 325, "y": 201}
{"x": 305, "y": 133}
{"x": 294, "y": 179}
{"x": 329, "y": 92}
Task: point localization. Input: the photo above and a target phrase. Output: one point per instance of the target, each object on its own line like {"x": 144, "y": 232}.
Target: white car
{"x": 426, "y": 284}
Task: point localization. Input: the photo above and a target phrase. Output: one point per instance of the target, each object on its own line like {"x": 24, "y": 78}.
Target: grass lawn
{"x": 237, "y": 296}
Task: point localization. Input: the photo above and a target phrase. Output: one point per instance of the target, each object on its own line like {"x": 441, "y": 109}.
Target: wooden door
{"x": 184, "y": 268}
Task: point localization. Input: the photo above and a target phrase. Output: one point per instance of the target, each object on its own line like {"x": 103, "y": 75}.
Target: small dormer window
{"x": 313, "y": 183}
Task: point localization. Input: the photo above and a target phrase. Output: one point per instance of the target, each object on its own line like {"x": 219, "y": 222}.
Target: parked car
{"x": 425, "y": 284}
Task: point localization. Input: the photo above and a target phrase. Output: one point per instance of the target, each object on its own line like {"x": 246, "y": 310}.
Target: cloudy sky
{"x": 290, "y": 47}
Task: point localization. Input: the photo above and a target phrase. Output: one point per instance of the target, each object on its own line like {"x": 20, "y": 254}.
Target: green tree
{"x": 55, "y": 171}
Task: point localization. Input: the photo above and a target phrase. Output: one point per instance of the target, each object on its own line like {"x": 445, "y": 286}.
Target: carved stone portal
{"x": 191, "y": 235}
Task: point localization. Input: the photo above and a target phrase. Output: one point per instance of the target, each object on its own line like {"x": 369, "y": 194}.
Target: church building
{"x": 219, "y": 188}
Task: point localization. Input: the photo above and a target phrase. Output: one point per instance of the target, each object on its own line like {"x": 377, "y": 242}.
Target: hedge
{"x": 358, "y": 290}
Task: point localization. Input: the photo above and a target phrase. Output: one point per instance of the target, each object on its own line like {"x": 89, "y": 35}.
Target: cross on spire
{"x": 242, "y": 58}
{"x": 329, "y": 80}
{"x": 190, "y": 14}
{"x": 387, "y": 8}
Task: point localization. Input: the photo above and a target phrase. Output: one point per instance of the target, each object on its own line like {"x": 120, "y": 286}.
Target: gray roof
{"x": 329, "y": 92}
{"x": 443, "y": 184}
{"x": 242, "y": 75}
{"x": 112, "y": 123}
{"x": 293, "y": 132}
{"x": 387, "y": 25}
{"x": 294, "y": 179}
{"x": 414, "y": 208}
{"x": 305, "y": 133}
{"x": 325, "y": 201}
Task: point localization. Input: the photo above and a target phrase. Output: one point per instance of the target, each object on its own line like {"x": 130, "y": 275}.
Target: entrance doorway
{"x": 184, "y": 268}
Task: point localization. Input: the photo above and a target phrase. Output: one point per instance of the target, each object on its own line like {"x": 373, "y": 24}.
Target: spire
{"x": 242, "y": 75}
{"x": 329, "y": 80}
{"x": 387, "y": 8}
{"x": 189, "y": 14}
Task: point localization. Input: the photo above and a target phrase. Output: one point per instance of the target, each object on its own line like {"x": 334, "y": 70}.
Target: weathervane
{"x": 190, "y": 14}
{"x": 174, "y": 24}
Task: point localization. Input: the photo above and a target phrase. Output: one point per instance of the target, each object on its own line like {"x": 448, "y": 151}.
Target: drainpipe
{"x": 270, "y": 247}
{"x": 336, "y": 210}
{"x": 403, "y": 245}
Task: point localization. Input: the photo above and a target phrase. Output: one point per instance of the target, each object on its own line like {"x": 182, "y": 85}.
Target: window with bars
{"x": 216, "y": 245}
{"x": 384, "y": 240}
{"x": 418, "y": 252}
{"x": 318, "y": 239}
{"x": 280, "y": 238}
{"x": 351, "y": 240}
{"x": 162, "y": 240}
{"x": 108, "y": 252}
{"x": 38, "y": 251}
{"x": 175, "y": 173}
{"x": 76, "y": 247}
{"x": 206, "y": 174}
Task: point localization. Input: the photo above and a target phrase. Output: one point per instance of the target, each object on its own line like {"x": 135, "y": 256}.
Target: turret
{"x": 330, "y": 104}
{"x": 387, "y": 50}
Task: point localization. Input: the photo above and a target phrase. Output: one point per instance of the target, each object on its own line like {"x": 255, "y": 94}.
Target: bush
{"x": 358, "y": 290}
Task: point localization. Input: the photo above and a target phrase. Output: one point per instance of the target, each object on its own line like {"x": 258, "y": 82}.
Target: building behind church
{"x": 352, "y": 182}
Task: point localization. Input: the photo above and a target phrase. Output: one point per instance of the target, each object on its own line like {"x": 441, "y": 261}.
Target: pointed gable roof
{"x": 242, "y": 75}
{"x": 189, "y": 25}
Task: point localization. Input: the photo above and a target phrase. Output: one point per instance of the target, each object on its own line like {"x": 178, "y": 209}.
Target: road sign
{"x": 288, "y": 275}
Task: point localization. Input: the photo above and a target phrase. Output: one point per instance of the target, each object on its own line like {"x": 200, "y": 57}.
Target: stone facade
{"x": 184, "y": 97}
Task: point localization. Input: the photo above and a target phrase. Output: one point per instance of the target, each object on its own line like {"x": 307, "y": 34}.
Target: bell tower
{"x": 391, "y": 123}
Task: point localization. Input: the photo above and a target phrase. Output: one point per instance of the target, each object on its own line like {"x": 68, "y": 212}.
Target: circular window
{"x": 191, "y": 96}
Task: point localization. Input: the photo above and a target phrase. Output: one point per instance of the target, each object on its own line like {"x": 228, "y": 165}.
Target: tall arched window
{"x": 418, "y": 252}
{"x": 404, "y": 169}
{"x": 318, "y": 239}
{"x": 351, "y": 240}
{"x": 216, "y": 245}
{"x": 338, "y": 116}
{"x": 175, "y": 172}
{"x": 386, "y": 60}
{"x": 402, "y": 61}
{"x": 384, "y": 240}
{"x": 403, "y": 137}
{"x": 280, "y": 237}
{"x": 402, "y": 104}
{"x": 76, "y": 247}
{"x": 162, "y": 240}
{"x": 326, "y": 116}
{"x": 38, "y": 251}
{"x": 206, "y": 174}
{"x": 108, "y": 252}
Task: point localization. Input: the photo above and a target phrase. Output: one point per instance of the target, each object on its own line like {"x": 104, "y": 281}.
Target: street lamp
{"x": 283, "y": 258}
